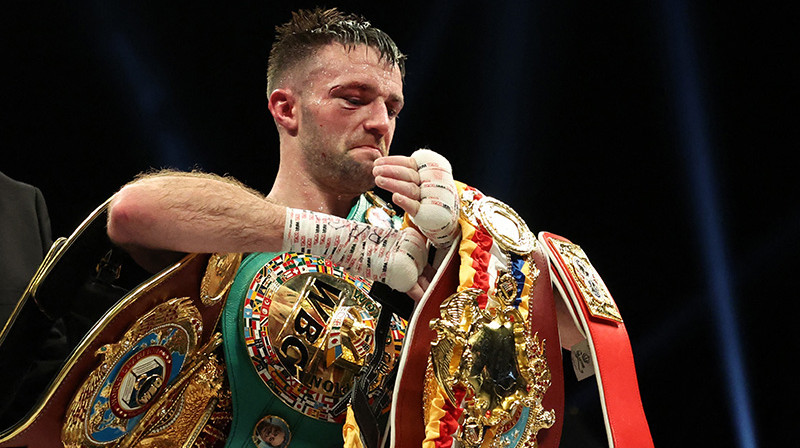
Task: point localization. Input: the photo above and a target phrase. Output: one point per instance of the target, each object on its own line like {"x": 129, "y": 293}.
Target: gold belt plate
{"x": 507, "y": 228}
{"x": 593, "y": 290}
{"x": 309, "y": 329}
{"x": 491, "y": 359}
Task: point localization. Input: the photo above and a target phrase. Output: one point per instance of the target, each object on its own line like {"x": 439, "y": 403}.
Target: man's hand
{"x": 399, "y": 175}
{"x": 395, "y": 257}
{"x": 422, "y": 185}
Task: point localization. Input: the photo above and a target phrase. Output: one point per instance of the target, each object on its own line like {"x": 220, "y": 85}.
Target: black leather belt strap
{"x": 366, "y": 415}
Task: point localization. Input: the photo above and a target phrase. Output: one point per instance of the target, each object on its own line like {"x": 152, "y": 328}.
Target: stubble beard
{"x": 331, "y": 166}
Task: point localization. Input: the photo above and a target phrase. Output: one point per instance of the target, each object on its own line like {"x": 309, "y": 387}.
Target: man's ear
{"x": 283, "y": 107}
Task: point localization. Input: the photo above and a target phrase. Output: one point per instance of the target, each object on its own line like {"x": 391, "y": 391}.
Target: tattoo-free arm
{"x": 158, "y": 218}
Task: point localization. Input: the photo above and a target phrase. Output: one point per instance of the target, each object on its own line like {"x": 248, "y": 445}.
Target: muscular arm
{"x": 158, "y": 218}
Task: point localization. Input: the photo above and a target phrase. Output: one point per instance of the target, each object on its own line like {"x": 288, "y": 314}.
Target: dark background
{"x": 657, "y": 135}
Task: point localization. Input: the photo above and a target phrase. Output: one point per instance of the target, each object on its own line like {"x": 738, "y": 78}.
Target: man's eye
{"x": 353, "y": 100}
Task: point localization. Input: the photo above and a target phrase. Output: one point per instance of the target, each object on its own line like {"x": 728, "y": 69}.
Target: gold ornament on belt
{"x": 153, "y": 388}
{"x": 506, "y": 227}
{"x": 218, "y": 278}
{"x": 594, "y": 292}
{"x": 493, "y": 361}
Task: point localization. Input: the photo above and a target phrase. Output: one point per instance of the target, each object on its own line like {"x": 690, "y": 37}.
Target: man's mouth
{"x": 370, "y": 147}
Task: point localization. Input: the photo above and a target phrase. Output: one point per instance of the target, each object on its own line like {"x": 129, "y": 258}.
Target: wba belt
{"x": 460, "y": 330}
{"x": 487, "y": 320}
{"x": 598, "y": 318}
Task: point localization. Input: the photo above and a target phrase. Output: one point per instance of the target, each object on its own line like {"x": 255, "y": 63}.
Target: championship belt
{"x": 299, "y": 332}
{"x": 296, "y": 343}
{"x": 161, "y": 382}
{"x": 493, "y": 377}
{"x": 598, "y": 318}
{"x": 146, "y": 374}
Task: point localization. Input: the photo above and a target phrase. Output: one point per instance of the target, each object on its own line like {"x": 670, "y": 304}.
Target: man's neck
{"x": 302, "y": 193}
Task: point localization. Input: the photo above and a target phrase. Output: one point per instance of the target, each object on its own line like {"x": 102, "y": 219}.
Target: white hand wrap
{"x": 395, "y": 257}
{"x": 437, "y": 217}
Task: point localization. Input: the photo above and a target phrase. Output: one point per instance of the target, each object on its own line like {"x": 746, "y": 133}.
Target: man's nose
{"x": 378, "y": 121}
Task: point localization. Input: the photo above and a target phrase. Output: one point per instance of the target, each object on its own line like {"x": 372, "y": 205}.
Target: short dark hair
{"x": 310, "y": 30}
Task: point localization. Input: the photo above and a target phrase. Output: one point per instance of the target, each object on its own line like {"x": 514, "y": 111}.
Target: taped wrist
{"x": 437, "y": 217}
{"x": 395, "y": 257}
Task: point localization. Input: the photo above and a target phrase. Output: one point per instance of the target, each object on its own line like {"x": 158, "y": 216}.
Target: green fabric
{"x": 252, "y": 399}
{"x": 358, "y": 212}
{"x": 359, "y": 209}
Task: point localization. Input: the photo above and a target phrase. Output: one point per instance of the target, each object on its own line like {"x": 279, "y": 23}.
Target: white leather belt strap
{"x": 597, "y": 316}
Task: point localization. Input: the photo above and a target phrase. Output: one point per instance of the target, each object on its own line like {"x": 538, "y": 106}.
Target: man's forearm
{"x": 185, "y": 213}
{"x": 158, "y": 218}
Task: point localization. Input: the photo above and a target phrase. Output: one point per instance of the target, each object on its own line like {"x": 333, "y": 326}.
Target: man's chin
{"x": 366, "y": 184}
{"x": 360, "y": 180}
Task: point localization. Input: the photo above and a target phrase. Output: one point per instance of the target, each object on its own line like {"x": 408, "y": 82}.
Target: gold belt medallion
{"x": 147, "y": 382}
{"x": 501, "y": 221}
{"x": 489, "y": 364}
{"x": 309, "y": 328}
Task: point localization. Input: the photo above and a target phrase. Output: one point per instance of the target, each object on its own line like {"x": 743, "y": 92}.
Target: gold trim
{"x": 219, "y": 276}
{"x": 99, "y": 326}
{"x": 53, "y": 255}
{"x": 58, "y": 251}
{"x": 593, "y": 290}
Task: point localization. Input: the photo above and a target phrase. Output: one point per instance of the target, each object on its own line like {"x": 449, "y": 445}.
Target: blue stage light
{"x": 696, "y": 144}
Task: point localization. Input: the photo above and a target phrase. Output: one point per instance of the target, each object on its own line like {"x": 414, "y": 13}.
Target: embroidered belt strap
{"x": 597, "y": 316}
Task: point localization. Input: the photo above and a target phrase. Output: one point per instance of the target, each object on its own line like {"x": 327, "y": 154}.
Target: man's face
{"x": 272, "y": 434}
{"x": 349, "y": 103}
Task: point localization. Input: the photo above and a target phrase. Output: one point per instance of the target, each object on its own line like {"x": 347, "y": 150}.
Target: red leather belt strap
{"x": 626, "y": 424}
{"x": 542, "y": 306}
{"x": 407, "y": 423}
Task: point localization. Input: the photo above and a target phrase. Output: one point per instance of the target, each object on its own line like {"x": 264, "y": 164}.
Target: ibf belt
{"x": 309, "y": 327}
{"x": 596, "y": 314}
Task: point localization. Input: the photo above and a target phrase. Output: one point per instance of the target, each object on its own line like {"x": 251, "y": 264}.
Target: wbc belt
{"x": 598, "y": 318}
{"x": 298, "y": 333}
